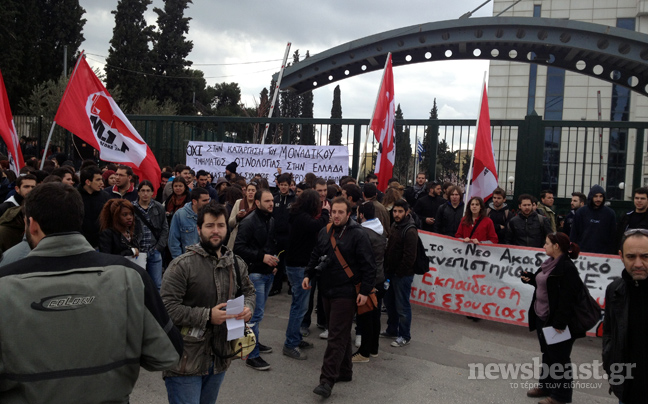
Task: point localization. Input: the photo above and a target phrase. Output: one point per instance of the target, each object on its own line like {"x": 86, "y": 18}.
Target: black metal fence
{"x": 531, "y": 154}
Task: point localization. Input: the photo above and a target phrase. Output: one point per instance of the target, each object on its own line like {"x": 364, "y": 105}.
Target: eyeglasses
{"x": 635, "y": 231}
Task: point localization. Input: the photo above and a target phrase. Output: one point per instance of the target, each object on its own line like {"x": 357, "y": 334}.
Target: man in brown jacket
{"x": 399, "y": 269}
{"x": 195, "y": 291}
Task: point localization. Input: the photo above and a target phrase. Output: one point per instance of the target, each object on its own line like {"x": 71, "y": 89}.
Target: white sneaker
{"x": 400, "y": 341}
{"x": 358, "y": 341}
{"x": 324, "y": 335}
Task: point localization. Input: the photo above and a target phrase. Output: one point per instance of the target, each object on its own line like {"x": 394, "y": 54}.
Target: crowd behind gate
{"x": 345, "y": 251}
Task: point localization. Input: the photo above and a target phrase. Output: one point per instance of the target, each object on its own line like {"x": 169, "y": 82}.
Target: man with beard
{"x": 577, "y": 201}
{"x": 338, "y": 289}
{"x": 426, "y": 207}
{"x": 124, "y": 187}
{"x": 595, "y": 224}
{"x": 413, "y": 193}
{"x": 195, "y": 291}
{"x": 256, "y": 244}
{"x": 83, "y": 322}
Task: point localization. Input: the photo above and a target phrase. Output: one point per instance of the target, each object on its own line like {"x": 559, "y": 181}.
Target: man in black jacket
{"x": 93, "y": 202}
{"x": 637, "y": 218}
{"x": 449, "y": 214}
{"x": 625, "y": 326}
{"x": 24, "y": 184}
{"x": 426, "y": 207}
{"x": 257, "y": 245}
{"x": 281, "y": 214}
{"x": 499, "y": 213}
{"x": 595, "y": 224}
{"x": 339, "y": 294}
{"x": 399, "y": 269}
{"x": 528, "y": 228}
{"x": 413, "y": 193}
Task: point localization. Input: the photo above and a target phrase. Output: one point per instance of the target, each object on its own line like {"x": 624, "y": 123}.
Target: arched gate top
{"x": 611, "y": 54}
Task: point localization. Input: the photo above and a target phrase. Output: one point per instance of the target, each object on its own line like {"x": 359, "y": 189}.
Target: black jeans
{"x": 321, "y": 316}
{"x": 337, "y": 357}
{"x": 369, "y": 327}
{"x": 559, "y": 385}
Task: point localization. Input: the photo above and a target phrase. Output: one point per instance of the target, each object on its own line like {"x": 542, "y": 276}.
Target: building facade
{"x": 520, "y": 89}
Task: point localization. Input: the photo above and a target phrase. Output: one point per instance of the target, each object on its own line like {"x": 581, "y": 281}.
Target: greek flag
{"x": 420, "y": 150}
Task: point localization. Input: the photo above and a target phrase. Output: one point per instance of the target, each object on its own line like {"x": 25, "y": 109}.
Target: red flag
{"x": 8, "y": 131}
{"x": 484, "y": 170}
{"x": 382, "y": 125}
{"x": 88, "y": 111}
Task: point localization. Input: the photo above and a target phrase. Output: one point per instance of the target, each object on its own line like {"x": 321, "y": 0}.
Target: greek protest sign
{"x": 328, "y": 162}
{"x": 484, "y": 280}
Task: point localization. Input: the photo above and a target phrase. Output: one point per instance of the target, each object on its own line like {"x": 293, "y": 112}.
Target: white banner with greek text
{"x": 484, "y": 280}
{"x": 328, "y": 162}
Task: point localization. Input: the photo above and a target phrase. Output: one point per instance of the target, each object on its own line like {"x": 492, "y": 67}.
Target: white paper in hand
{"x": 553, "y": 337}
{"x": 235, "y": 328}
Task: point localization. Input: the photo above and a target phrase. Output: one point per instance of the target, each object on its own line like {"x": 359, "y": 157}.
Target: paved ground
{"x": 432, "y": 369}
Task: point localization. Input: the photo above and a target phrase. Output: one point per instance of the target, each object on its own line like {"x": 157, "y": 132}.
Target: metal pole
{"x": 64, "y": 60}
{"x": 598, "y": 96}
{"x": 276, "y": 92}
{"x": 362, "y": 164}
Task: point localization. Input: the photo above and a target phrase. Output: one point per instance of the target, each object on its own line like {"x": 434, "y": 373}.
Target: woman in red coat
{"x": 475, "y": 226}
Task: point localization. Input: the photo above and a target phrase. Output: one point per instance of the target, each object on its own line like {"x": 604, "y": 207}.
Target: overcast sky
{"x": 228, "y": 36}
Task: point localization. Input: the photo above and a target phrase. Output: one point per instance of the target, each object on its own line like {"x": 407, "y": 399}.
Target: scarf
{"x": 175, "y": 202}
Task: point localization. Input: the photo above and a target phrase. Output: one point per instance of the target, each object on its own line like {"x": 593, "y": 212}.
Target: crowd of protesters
{"x": 334, "y": 244}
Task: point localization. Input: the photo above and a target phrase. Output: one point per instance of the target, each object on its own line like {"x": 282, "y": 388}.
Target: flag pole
{"x": 364, "y": 153}
{"x": 472, "y": 157}
{"x": 275, "y": 94}
{"x": 49, "y": 137}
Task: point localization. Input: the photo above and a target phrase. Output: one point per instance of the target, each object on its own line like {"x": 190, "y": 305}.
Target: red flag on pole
{"x": 8, "y": 131}
{"x": 88, "y": 111}
{"x": 382, "y": 125}
{"x": 484, "y": 170}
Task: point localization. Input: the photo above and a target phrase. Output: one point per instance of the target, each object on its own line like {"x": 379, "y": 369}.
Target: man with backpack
{"x": 498, "y": 211}
{"x": 400, "y": 259}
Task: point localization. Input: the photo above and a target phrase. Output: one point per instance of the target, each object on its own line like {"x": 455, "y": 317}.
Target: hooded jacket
{"x": 375, "y": 231}
{"x": 594, "y": 227}
{"x": 13, "y": 200}
{"x": 500, "y": 218}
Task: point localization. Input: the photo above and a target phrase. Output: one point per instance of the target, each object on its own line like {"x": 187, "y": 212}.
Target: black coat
{"x": 563, "y": 287}
{"x": 500, "y": 217}
{"x": 448, "y": 219}
{"x": 616, "y": 349}
{"x": 528, "y": 231}
{"x": 281, "y": 214}
{"x": 256, "y": 238}
{"x": 113, "y": 242}
{"x": 92, "y": 205}
{"x": 427, "y": 206}
{"x": 302, "y": 236}
{"x": 353, "y": 243}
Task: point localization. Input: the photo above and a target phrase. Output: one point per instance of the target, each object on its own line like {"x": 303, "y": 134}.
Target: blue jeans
{"x": 298, "y": 306}
{"x": 262, "y": 285}
{"x": 154, "y": 267}
{"x": 194, "y": 389}
{"x": 399, "y": 310}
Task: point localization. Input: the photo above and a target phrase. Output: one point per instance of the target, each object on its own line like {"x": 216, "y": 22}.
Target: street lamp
{"x": 511, "y": 180}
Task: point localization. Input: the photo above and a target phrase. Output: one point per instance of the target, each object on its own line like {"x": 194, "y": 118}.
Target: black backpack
{"x": 422, "y": 262}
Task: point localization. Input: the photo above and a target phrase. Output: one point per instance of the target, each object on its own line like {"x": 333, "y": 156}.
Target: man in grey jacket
{"x": 195, "y": 291}
{"x": 76, "y": 324}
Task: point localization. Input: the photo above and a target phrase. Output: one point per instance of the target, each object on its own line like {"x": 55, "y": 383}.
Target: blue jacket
{"x": 183, "y": 230}
{"x": 594, "y": 228}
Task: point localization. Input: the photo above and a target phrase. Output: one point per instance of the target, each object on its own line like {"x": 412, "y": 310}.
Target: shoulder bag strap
{"x": 475, "y": 227}
{"x": 339, "y": 256}
{"x": 147, "y": 223}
